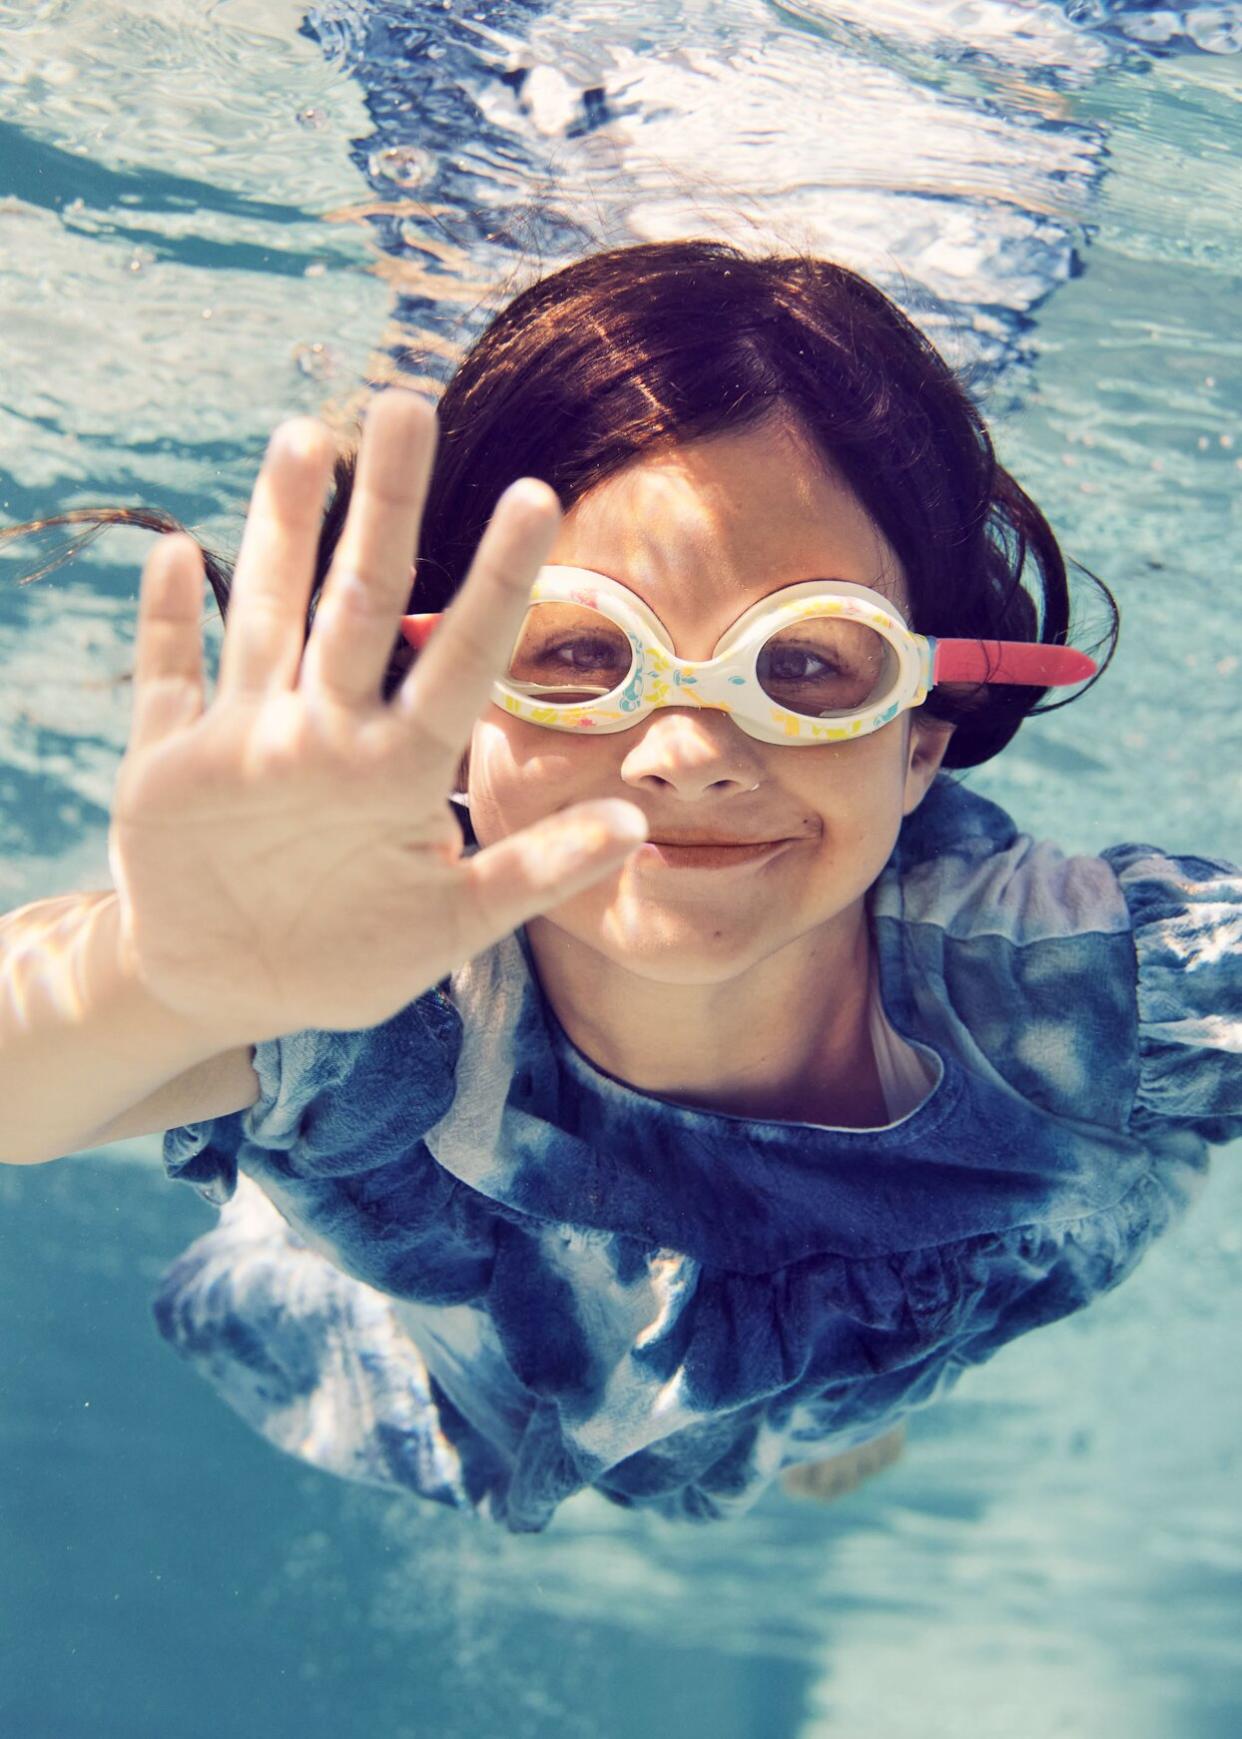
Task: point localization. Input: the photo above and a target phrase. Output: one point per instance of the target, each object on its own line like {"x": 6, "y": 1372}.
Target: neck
{"x": 786, "y": 1039}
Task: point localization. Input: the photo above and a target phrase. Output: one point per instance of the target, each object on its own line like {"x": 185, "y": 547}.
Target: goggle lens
{"x": 567, "y": 654}
{"x": 823, "y": 666}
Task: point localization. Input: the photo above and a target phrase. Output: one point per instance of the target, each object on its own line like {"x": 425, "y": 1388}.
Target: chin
{"x": 665, "y": 946}
{"x": 662, "y": 964}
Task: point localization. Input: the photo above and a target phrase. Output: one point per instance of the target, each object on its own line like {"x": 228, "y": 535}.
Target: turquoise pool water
{"x": 212, "y": 214}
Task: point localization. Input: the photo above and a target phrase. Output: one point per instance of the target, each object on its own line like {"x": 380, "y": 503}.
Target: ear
{"x": 929, "y": 738}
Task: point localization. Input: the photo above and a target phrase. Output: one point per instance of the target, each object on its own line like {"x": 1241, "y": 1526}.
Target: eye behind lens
{"x": 567, "y": 653}
{"x": 827, "y": 666}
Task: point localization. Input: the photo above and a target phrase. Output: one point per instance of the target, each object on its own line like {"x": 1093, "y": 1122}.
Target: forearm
{"x": 81, "y": 1040}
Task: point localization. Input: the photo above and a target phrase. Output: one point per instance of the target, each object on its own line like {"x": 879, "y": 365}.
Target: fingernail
{"x": 298, "y": 439}
{"x": 530, "y": 494}
{"x": 621, "y": 819}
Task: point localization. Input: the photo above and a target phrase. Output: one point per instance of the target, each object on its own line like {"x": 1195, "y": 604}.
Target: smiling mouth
{"x": 707, "y": 856}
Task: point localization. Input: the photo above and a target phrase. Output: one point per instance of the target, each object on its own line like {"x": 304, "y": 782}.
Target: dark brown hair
{"x": 663, "y": 343}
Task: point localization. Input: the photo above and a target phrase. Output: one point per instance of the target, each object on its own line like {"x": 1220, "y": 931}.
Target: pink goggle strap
{"x": 419, "y": 629}
{"x": 1018, "y": 661}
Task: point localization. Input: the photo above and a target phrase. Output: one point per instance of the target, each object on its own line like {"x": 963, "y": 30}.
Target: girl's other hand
{"x": 285, "y": 856}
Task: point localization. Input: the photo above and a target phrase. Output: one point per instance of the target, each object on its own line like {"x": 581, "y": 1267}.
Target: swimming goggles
{"x": 817, "y": 662}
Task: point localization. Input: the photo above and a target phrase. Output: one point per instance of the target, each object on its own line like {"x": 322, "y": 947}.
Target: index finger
{"x": 451, "y": 682}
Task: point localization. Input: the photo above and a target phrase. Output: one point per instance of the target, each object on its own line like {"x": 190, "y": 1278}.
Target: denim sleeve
{"x": 1186, "y": 918}
{"x": 330, "y": 1103}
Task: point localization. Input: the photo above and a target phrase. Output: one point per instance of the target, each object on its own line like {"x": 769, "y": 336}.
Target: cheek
{"x": 859, "y": 782}
{"x": 856, "y": 795}
{"x": 519, "y": 773}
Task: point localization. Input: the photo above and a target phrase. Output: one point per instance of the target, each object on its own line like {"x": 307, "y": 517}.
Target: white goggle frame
{"x": 727, "y": 682}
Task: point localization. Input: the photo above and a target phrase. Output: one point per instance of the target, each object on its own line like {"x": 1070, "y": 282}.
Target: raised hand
{"x": 285, "y": 856}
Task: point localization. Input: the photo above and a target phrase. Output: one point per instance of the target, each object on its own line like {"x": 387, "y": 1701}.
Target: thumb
{"x": 525, "y": 874}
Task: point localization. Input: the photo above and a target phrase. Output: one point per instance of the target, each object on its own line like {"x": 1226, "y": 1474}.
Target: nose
{"x": 689, "y": 751}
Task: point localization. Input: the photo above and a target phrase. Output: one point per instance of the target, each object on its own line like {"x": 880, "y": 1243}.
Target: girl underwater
{"x": 621, "y": 1054}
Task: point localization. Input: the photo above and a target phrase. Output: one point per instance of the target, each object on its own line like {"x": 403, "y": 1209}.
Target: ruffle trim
{"x": 1186, "y": 916}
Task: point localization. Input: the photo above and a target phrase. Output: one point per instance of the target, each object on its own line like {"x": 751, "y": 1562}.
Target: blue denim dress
{"x": 453, "y": 1257}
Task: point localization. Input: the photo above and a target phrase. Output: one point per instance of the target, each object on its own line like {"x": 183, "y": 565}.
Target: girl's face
{"x": 701, "y": 533}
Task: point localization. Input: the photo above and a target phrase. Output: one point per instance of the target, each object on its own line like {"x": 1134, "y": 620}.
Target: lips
{"x": 666, "y": 839}
{"x": 658, "y": 854}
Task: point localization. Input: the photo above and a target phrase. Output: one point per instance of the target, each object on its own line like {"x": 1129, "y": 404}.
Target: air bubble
{"x": 407, "y": 165}
{"x": 315, "y": 361}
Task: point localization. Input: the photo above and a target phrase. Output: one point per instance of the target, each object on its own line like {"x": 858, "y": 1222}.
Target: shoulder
{"x": 331, "y": 1101}
{"x": 1098, "y": 986}
{"x": 962, "y": 865}
{"x": 407, "y": 1056}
